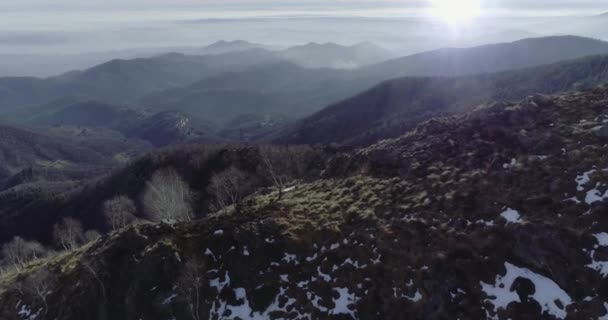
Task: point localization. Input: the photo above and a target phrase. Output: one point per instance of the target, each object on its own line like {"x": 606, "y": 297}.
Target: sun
{"x": 455, "y": 11}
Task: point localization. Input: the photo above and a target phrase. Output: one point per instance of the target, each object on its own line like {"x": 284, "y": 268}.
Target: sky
{"x": 41, "y": 27}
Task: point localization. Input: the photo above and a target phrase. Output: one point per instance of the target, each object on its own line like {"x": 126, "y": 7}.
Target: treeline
{"x": 180, "y": 184}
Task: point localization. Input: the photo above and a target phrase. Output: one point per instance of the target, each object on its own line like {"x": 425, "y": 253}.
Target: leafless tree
{"x": 119, "y": 212}
{"x": 19, "y": 252}
{"x": 68, "y": 233}
{"x": 91, "y": 235}
{"x": 38, "y": 285}
{"x": 167, "y": 197}
{"x": 276, "y": 163}
{"x": 94, "y": 269}
{"x": 190, "y": 285}
{"x": 228, "y": 187}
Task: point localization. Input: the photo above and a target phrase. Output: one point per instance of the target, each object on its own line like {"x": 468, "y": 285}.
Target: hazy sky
{"x": 69, "y": 26}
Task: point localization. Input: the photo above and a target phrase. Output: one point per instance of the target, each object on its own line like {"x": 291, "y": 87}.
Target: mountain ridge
{"x": 458, "y": 217}
{"x": 398, "y": 105}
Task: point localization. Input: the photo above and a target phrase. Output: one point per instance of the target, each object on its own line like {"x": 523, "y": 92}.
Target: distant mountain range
{"x": 490, "y": 58}
{"x": 331, "y": 55}
{"x": 311, "y": 55}
{"x": 394, "y": 107}
{"x": 218, "y": 89}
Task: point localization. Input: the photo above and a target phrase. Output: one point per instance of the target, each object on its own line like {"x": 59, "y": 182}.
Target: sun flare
{"x": 456, "y": 11}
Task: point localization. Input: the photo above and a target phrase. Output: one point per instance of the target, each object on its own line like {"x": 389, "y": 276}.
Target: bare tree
{"x": 190, "y": 285}
{"x": 167, "y": 197}
{"x": 228, "y": 187}
{"x": 19, "y": 252}
{"x": 91, "y": 235}
{"x": 119, "y": 212}
{"x": 276, "y": 161}
{"x": 38, "y": 286}
{"x": 94, "y": 269}
{"x": 68, "y": 233}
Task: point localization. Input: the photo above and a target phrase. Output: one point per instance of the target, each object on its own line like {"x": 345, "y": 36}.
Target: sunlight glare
{"x": 456, "y": 11}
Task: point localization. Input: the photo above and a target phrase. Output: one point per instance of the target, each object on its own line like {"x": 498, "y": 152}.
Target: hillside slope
{"x": 22, "y": 148}
{"x": 490, "y": 58}
{"x": 494, "y": 214}
{"x": 123, "y": 81}
{"x": 396, "y": 106}
{"x": 289, "y": 90}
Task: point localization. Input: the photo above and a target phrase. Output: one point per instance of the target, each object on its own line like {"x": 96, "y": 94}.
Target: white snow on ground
{"x": 218, "y": 232}
{"x": 486, "y": 223}
{"x": 244, "y": 310}
{"x": 599, "y": 266}
{"x": 289, "y": 258}
{"x": 289, "y": 189}
{"x": 604, "y": 317}
{"x": 573, "y": 199}
{"x": 343, "y": 301}
{"x": 595, "y": 195}
{"x": 208, "y": 252}
{"x": 546, "y": 292}
{"x": 326, "y": 277}
{"x": 512, "y": 216}
{"x": 26, "y": 312}
{"x": 169, "y": 299}
{"x": 583, "y": 179}
{"x": 218, "y": 284}
{"x": 417, "y": 296}
{"x": 314, "y": 299}
{"x": 602, "y": 239}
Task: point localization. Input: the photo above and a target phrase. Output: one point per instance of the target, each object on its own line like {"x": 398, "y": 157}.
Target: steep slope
{"x": 495, "y": 214}
{"x": 396, "y": 106}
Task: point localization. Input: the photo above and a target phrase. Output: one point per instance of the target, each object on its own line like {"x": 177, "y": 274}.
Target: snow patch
{"x": 583, "y": 179}
{"x": 218, "y": 284}
{"x": 417, "y": 297}
{"x": 512, "y": 216}
{"x": 595, "y": 195}
{"x": 605, "y": 316}
{"x": 602, "y": 239}
{"x": 169, "y": 299}
{"x": 599, "y": 266}
{"x": 289, "y": 189}
{"x": 289, "y": 258}
{"x": 222, "y": 310}
{"x": 342, "y": 303}
{"x": 546, "y": 292}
